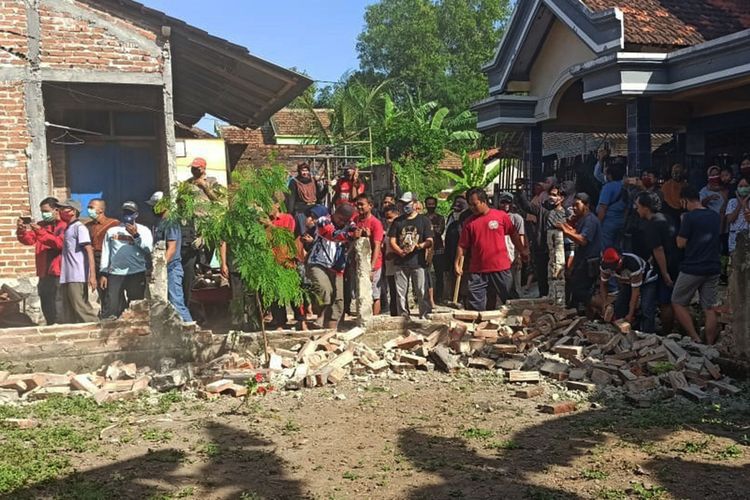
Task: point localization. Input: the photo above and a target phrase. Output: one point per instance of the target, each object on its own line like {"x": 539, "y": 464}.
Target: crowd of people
{"x": 78, "y": 252}
{"x": 637, "y": 246}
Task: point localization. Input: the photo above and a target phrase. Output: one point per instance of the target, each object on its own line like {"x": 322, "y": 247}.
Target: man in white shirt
{"x": 125, "y": 255}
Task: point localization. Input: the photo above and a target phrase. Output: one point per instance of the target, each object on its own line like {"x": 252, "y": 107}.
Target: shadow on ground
{"x": 236, "y": 464}
{"x": 522, "y": 459}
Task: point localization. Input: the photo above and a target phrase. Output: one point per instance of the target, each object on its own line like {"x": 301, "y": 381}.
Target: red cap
{"x": 610, "y": 256}
{"x": 198, "y": 163}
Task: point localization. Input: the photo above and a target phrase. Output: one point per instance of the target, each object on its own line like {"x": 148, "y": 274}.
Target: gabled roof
{"x": 300, "y": 122}
{"x": 184, "y": 132}
{"x": 450, "y": 161}
{"x": 677, "y": 23}
{"x": 212, "y": 75}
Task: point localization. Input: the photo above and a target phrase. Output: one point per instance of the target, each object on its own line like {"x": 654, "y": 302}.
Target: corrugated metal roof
{"x": 212, "y": 75}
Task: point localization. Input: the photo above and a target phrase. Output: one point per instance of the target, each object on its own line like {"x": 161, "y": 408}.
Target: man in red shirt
{"x": 47, "y": 237}
{"x": 483, "y": 235}
{"x": 285, "y": 221}
{"x": 369, "y": 226}
{"x": 348, "y": 187}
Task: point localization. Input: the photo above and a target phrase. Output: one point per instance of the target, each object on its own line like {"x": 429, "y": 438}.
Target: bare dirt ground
{"x": 433, "y": 436}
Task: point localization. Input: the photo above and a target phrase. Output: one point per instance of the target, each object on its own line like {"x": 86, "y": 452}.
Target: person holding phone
{"x": 47, "y": 238}
{"x": 125, "y": 253}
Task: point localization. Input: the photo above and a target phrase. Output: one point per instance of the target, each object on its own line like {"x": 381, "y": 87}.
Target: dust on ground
{"x": 425, "y": 436}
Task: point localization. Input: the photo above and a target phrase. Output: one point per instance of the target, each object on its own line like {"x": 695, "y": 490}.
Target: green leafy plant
{"x": 648, "y": 492}
{"x": 506, "y": 444}
{"x": 258, "y": 385}
{"x": 730, "y": 452}
{"x": 477, "y": 433}
{"x": 240, "y": 219}
{"x": 473, "y": 174}
{"x": 661, "y": 367}
{"x": 594, "y": 474}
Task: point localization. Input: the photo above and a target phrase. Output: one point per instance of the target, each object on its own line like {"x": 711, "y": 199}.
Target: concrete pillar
{"x": 739, "y": 295}
{"x": 158, "y": 286}
{"x": 533, "y": 152}
{"x": 169, "y": 135}
{"x": 363, "y": 283}
{"x": 36, "y": 167}
{"x": 638, "y": 122}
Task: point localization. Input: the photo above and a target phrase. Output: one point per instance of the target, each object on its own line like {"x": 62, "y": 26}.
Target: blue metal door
{"x": 114, "y": 172}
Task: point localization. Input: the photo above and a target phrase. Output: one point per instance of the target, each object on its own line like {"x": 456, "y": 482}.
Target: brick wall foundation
{"x": 144, "y": 334}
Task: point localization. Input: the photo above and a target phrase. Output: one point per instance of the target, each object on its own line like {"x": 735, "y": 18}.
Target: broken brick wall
{"x": 739, "y": 297}
{"x": 144, "y": 334}
{"x": 74, "y": 37}
{"x": 15, "y": 259}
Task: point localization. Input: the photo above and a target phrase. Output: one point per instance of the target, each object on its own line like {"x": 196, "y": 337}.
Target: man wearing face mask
{"x": 711, "y": 195}
{"x": 671, "y": 194}
{"x": 438, "y": 259}
{"x": 98, "y": 225}
{"x": 745, "y": 168}
{"x": 169, "y": 231}
{"x": 204, "y": 187}
{"x": 125, "y": 254}
{"x": 77, "y": 266}
{"x": 47, "y": 238}
{"x": 452, "y": 235}
{"x": 192, "y": 251}
{"x": 409, "y": 236}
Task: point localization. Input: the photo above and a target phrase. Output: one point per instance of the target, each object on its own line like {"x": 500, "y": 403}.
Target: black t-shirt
{"x": 409, "y": 233}
{"x": 701, "y": 228}
{"x": 660, "y": 232}
{"x": 438, "y": 227}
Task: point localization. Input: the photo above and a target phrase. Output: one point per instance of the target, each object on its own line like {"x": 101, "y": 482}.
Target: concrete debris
{"x": 114, "y": 382}
{"x": 527, "y": 339}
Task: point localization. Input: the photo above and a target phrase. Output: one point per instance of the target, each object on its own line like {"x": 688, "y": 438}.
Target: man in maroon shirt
{"x": 483, "y": 235}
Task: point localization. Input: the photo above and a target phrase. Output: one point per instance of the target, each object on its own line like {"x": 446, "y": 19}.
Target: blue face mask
{"x": 408, "y": 209}
{"x": 48, "y": 216}
{"x": 129, "y": 218}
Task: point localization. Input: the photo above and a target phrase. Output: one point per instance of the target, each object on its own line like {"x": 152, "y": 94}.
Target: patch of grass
{"x": 170, "y": 456}
{"x": 376, "y": 388}
{"x": 290, "y": 427}
{"x": 250, "y": 495}
{"x": 506, "y": 444}
{"x": 185, "y": 492}
{"x": 690, "y": 447}
{"x": 167, "y": 399}
{"x": 36, "y": 455}
{"x": 477, "y": 433}
{"x": 730, "y": 452}
{"x": 612, "y": 494}
{"x": 644, "y": 492}
{"x": 156, "y": 435}
{"x": 594, "y": 474}
{"x": 661, "y": 367}
{"x": 210, "y": 450}
{"x": 351, "y": 476}
{"x": 537, "y": 493}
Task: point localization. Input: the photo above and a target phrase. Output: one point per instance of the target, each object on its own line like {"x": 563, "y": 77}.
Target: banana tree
{"x": 473, "y": 174}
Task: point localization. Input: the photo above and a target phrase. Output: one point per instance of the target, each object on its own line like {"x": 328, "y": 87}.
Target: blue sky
{"x": 317, "y": 36}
